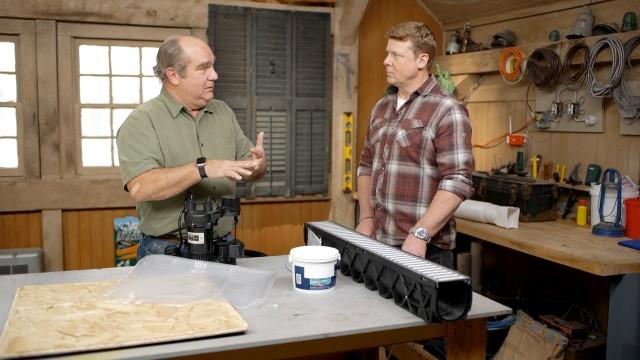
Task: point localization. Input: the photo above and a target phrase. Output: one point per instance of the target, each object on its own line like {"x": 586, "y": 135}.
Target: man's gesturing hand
{"x": 257, "y": 154}
{"x": 233, "y": 170}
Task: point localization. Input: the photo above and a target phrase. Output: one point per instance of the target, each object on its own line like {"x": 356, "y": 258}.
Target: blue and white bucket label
{"x": 317, "y": 283}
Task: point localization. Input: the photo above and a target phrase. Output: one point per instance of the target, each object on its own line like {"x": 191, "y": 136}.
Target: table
{"x": 292, "y": 324}
{"x": 570, "y": 245}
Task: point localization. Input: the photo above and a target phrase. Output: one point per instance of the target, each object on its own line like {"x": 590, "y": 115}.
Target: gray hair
{"x": 170, "y": 55}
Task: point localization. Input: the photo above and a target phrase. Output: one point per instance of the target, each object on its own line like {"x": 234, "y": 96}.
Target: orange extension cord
{"x": 512, "y": 65}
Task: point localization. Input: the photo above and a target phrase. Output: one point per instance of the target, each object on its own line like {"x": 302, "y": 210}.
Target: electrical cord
{"x": 512, "y": 65}
{"x": 543, "y": 67}
{"x": 576, "y": 79}
{"x": 626, "y": 102}
{"x": 597, "y": 88}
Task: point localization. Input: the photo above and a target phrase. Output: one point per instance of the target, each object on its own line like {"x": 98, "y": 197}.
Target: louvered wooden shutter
{"x": 311, "y": 103}
{"x": 229, "y": 31}
{"x": 275, "y": 73}
{"x": 272, "y": 78}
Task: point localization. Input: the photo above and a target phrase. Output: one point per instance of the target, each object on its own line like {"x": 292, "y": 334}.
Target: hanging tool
{"x": 564, "y": 169}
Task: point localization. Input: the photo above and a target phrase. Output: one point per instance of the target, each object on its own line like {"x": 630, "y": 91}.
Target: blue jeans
{"x": 152, "y": 245}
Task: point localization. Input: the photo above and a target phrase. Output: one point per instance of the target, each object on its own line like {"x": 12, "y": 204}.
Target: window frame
{"x": 22, "y": 34}
{"x": 96, "y": 170}
{"x": 70, "y": 37}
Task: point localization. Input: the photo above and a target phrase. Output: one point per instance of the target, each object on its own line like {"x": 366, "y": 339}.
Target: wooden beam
{"x": 52, "y": 243}
{"x": 76, "y": 193}
{"x": 350, "y": 12}
{"x": 48, "y": 99}
{"x": 522, "y": 13}
{"x": 489, "y": 60}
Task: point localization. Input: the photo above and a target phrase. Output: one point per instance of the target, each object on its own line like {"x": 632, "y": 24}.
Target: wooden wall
{"x": 271, "y": 228}
{"x": 493, "y": 102}
{"x": 70, "y": 215}
{"x": 378, "y": 18}
{"x": 21, "y": 230}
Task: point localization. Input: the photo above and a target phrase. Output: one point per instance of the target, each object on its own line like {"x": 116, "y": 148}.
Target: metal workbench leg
{"x": 623, "y": 335}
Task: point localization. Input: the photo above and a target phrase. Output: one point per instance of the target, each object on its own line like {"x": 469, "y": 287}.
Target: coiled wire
{"x": 597, "y": 88}
{"x": 543, "y": 67}
{"x": 574, "y": 80}
{"x": 512, "y": 65}
{"x": 626, "y": 102}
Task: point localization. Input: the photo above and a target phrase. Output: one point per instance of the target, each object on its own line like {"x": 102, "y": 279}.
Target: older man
{"x": 183, "y": 140}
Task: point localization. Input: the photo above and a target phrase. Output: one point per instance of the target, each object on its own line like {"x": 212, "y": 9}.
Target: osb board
{"x": 62, "y": 318}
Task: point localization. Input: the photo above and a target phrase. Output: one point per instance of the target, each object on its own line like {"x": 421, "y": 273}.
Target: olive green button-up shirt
{"x": 162, "y": 134}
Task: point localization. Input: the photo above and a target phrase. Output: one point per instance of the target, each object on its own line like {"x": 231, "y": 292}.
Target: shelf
{"x": 486, "y": 61}
{"x": 584, "y": 188}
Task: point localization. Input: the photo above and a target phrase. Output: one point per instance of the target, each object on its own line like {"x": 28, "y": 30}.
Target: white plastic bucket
{"x": 313, "y": 268}
{"x": 609, "y": 206}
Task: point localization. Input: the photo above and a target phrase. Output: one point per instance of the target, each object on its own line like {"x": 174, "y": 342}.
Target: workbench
{"x": 292, "y": 324}
{"x": 574, "y": 246}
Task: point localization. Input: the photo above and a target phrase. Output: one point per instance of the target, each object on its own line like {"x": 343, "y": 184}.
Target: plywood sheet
{"x": 61, "y": 318}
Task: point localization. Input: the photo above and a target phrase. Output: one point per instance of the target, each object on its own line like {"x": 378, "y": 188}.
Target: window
{"x": 8, "y": 102}
{"x": 112, "y": 81}
{"x": 104, "y": 72}
{"x": 274, "y": 72}
{"x": 19, "y": 147}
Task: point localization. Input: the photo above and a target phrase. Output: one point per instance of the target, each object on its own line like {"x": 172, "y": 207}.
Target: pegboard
{"x": 627, "y": 126}
{"x": 591, "y": 106}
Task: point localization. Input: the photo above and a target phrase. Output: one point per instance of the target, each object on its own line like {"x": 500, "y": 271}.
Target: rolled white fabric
{"x": 503, "y": 216}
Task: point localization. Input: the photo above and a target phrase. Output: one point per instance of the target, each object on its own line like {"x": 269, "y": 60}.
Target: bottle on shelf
{"x": 581, "y": 217}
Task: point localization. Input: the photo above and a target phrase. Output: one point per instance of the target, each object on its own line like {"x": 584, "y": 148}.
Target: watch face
{"x": 421, "y": 233}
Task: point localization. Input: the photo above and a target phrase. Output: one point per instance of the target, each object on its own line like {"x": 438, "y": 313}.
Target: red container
{"x": 633, "y": 218}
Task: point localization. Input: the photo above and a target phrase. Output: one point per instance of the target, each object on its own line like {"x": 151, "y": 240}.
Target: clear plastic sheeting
{"x": 170, "y": 279}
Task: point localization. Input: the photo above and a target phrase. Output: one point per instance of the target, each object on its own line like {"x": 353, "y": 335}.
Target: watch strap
{"x": 200, "y": 163}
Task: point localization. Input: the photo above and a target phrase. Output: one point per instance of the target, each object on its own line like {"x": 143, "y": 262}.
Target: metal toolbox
{"x": 536, "y": 198}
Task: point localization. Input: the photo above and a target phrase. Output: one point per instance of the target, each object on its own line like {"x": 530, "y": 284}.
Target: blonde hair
{"x": 421, "y": 37}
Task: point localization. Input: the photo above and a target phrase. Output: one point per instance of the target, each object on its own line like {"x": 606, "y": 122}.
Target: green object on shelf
{"x": 554, "y": 35}
{"x": 444, "y": 79}
{"x": 629, "y": 22}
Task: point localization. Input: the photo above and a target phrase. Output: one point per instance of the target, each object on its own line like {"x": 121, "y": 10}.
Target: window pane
{"x": 125, "y": 60}
{"x": 9, "y": 151}
{"x": 119, "y": 116}
{"x": 8, "y": 58}
{"x": 126, "y": 90}
{"x": 8, "y": 87}
{"x": 95, "y": 122}
{"x": 148, "y": 60}
{"x": 96, "y": 152}
{"x": 94, "y": 59}
{"x": 94, "y": 90}
{"x": 8, "y": 125}
{"x": 150, "y": 88}
{"x": 116, "y": 160}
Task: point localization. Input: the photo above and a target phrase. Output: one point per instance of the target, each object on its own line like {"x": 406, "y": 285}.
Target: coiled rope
{"x": 599, "y": 89}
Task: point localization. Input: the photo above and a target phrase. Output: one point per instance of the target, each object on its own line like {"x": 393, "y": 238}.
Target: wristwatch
{"x": 200, "y": 163}
{"x": 421, "y": 233}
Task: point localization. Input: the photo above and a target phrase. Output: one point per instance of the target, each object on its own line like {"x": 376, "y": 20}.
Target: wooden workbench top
{"x": 561, "y": 242}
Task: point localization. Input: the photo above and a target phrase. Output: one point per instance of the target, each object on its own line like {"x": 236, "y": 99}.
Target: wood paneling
{"x": 275, "y": 228}
{"x": 88, "y": 237}
{"x": 378, "y": 18}
{"x": 272, "y": 228}
{"x": 20, "y": 230}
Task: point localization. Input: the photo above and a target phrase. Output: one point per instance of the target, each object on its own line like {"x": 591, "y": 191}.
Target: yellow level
{"x": 347, "y": 174}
